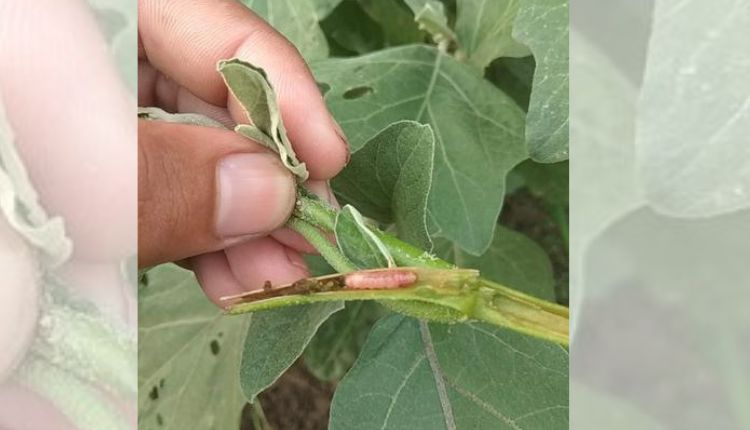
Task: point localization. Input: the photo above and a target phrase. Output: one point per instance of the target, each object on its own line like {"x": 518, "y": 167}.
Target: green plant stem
{"x": 409, "y": 255}
{"x": 319, "y": 241}
{"x": 313, "y": 210}
{"x": 503, "y": 306}
{"x": 487, "y": 301}
{"x": 320, "y": 214}
{"x": 66, "y": 336}
{"x": 455, "y": 301}
{"x": 80, "y": 402}
{"x": 497, "y": 303}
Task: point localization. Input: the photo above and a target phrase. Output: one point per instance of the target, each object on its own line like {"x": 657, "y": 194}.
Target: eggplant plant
{"x": 426, "y": 311}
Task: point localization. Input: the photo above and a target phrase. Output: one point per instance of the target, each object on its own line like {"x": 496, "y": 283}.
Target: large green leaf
{"x": 396, "y": 21}
{"x": 543, "y": 26}
{"x": 412, "y": 375}
{"x": 478, "y": 129}
{"x": 693, "y": 114}
{"x": 484, "y": 27}
{"x": 338, "y": 341}
{"x": 297, "y": 20}
{"x": 607, "y": 411}
{"x": 189, "y": 355}
{"x": 512, "y": 259}
{"x": 514, "y": 76}
{"x": 351, "y": 27}
{"x": 389, "y": 179}
{"x": 324, "y": 7}
{"x": 547, "y": 181}
{"x": 275, "y": 339}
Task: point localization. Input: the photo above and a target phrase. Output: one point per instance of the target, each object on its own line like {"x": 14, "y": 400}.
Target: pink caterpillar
{"x": 380, "y": 279}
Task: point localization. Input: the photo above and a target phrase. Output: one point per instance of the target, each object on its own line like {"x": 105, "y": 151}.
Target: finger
{"x": 262, "y": 260}
{"x": 202, "y": 188}
{"x": 147, "y": 76}
{"x": 20, "y": 408}
{"x": 75, "y": 127}
{"x": 215, "y": 276}
{"x": 253, "y": 263}
{"x": 295, "y": 240}
{"x": 187, "y": 102}
{"x": 185, "y": 43}
{"x": 155, "y": 89}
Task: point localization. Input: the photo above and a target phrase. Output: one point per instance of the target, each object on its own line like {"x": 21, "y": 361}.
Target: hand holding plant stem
{"x": 369, "y": 247}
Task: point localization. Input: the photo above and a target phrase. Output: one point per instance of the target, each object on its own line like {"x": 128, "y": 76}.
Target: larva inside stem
{"x": 381, "y": 279}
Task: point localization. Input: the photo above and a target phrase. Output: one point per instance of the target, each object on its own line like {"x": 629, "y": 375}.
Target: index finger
{"x": 186, "y": 39}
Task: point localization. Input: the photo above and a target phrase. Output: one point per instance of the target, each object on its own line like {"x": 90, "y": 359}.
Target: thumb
{"x": 201, "y": 189}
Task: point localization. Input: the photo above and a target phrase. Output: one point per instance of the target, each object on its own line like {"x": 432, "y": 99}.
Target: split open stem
{"x": 498, "y": 304}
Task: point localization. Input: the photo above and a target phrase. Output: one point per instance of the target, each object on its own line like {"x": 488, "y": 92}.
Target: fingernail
{"x": 295, "y": 259}
{"x": 323, "y": 190}
{"x": 256, "y": 194}
{"x": 330, "y": 196}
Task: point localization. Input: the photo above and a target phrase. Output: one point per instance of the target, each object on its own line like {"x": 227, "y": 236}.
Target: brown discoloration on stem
{"x": 303, "y": 286}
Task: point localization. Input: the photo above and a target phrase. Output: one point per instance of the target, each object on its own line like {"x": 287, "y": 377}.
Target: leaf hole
{"x": 215, "y": 348}
{"x": 159, "y": 420}
{"x": 357, "y": 92}
{"x": 154, "y": 393}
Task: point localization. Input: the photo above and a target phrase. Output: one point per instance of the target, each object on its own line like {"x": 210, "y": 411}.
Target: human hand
{"x": 209, "y": 195}
{"x": 72, "y": 126}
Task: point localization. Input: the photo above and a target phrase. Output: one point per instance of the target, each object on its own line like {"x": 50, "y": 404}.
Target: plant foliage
{"x": 441, "y": 102}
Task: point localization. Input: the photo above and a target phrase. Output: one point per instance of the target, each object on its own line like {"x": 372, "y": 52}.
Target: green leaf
{"x": 478, "y": 129}
{"x": 607, "y": 410}
{"x": 253, "y": 91}
{"x": 484, "y": 30}
{"x": 691, "y": 115}
{"x": 547, "y": 181}
{"x": 318, "y": 265}
{"x": 514, "y": 76}
{"x": 414, "y": 375}
{"x": 189, "y": 355}
{"x": 430, "y": 15}
{"x": 337, "y": 343}
{"x": 324, "y": 7}
{"x": 353, "y": 29}
{"x": 389, "y": 179}
{"x": 512, "y": 259}
{"x": 275, "y": 339}
{"x": 543, "y": 26}
{"x": 298, "y": 21}
{"x": 396, "y": 21}
{"x": 357, "y": 241}
{"x": 118, "y": 22}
